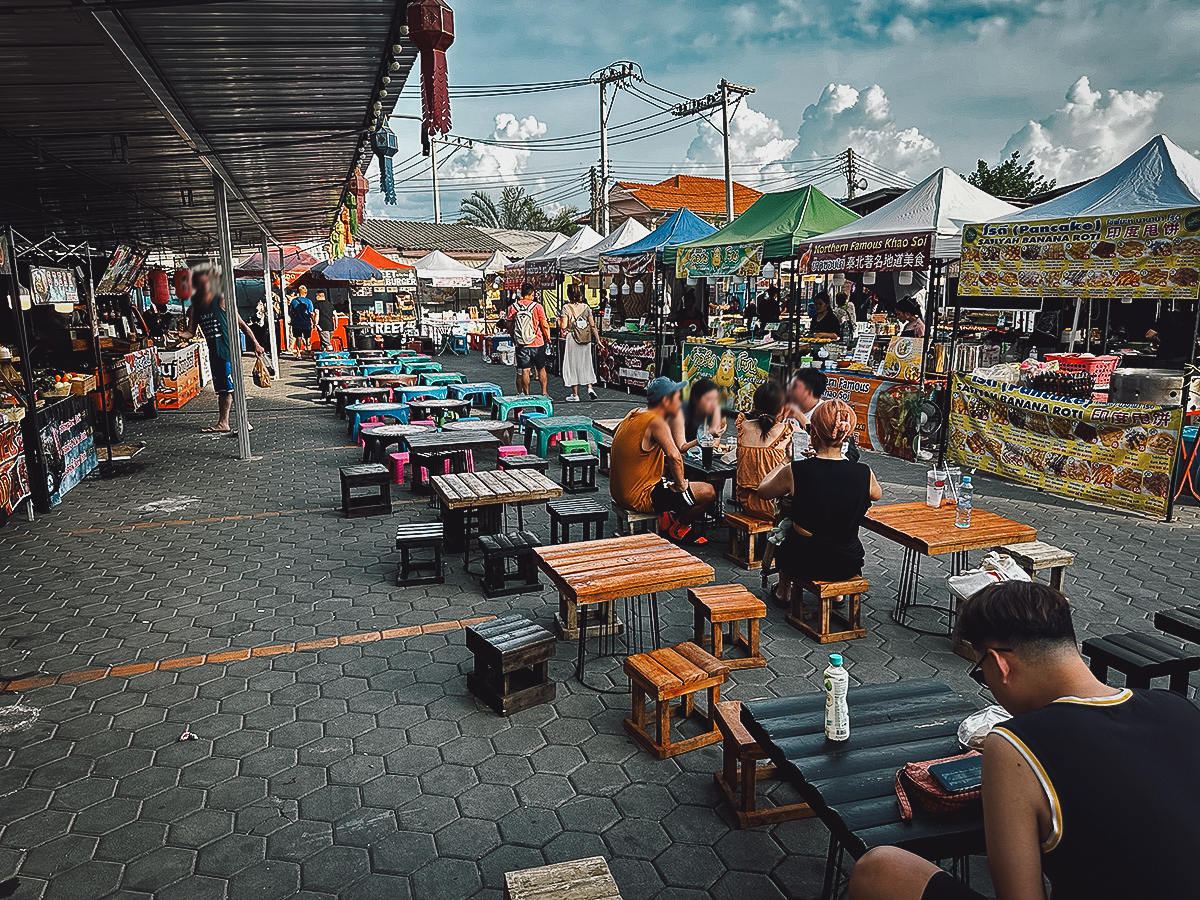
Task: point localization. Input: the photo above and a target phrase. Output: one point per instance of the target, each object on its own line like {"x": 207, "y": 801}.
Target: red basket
{"x": 1099, "y": 367}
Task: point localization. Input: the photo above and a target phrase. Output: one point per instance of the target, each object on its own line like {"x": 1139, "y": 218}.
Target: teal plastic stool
{"x": 541, "y": 430}
{"x": 503, "y": 407}
{"x": 418, "y": 366}
{"x": 409, "y": 393}
{"x": 441, "y": 378}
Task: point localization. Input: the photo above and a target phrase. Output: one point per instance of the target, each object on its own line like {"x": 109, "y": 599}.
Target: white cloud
{"x": 489, "y": 163}
{"x": 1093, "y": 131}
{"x": 756, "y": 147}
{"x": 846, "y": 117}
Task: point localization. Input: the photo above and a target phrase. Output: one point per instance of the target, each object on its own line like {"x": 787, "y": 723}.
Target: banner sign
{"x": 514, "y": 276}
{"x": 909, "y": 252}
{"x": 637, "y": 264}
{"x": 123, "y": 270}
{"x": 178, "y": 376}
{"x": 1154, "y": 255}
{"x": 737, "y": 372}
{"x": 400, "y": 278}
{"x": 625, "y": 363}
{"x": 1120, "y": 456}
{"x": 136, "y": 377}
{"x": 14, "y": 475}
{"x": 4, "y": 265}
{"x": 68, "y": 447}
{"x": 738, "y": 260}
{"x": 888, "y": 411}
{"x": 52, "y": 286}
{"x": 542, "y": 274}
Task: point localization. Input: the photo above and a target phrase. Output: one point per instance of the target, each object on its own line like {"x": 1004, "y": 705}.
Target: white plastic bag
{"x": 996, "y": 567}
{"x": 975, "y": 727}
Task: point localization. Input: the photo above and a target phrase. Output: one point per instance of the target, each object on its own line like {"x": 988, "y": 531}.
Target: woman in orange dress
{"x": 763, "y": 443}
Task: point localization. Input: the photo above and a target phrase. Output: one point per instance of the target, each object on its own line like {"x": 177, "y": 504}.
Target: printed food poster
{"x": 1154, "y": 255}
{"x": 738, "y": 260}
{"x": 737, "y": 372}
{"x": 14, "y": 476}
{"x": 903, "y": 359}
{"x": 1121, "y": 456}
{"x": 68, "y": 447}
{"x": 625, "y": 363}
{"x": 888, "y": 412}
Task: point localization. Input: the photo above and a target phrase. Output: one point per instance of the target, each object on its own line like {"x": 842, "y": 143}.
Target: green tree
{"x": 515, "y": 210}
{"x": 1010, "y": 178}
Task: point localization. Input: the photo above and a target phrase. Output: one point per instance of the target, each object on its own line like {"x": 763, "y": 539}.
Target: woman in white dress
{"x": 578, "y": 327}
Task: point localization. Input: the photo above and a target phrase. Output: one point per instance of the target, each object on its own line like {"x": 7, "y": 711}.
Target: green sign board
{"x": 711, "y": 262}
{"x": 737, "y": 372}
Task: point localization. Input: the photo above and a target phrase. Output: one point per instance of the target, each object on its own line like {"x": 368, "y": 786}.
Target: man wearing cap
{"x": 646, "y": 467}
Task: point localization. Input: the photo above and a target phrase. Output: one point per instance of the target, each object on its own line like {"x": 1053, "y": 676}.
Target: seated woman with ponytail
{"x": 830, "y": 495}
{"x": 763, "y": 443}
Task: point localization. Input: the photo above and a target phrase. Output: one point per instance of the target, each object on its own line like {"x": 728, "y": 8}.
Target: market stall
{"x": 443, "y": 283}
{"x": 385, "y": 307}
{"x": 545, "y": 270}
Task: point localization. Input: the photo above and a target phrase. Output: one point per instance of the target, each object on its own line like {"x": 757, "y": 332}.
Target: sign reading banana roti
{"x": 1155, "y": 255}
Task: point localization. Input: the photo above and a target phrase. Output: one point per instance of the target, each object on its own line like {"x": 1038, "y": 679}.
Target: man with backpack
{"x": 530, "y": 331}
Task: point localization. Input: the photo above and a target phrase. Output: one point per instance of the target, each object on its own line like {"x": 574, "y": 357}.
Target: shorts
{"x": 222, "y": 373}
{"x": 326, "y": 340}
{"x": 532, "y": 357}
{"x": 665, "y": 499}
{"x": 944, "y": 886}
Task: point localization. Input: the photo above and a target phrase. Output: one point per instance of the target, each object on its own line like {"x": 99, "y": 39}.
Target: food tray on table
{"x": 1076, "y": 385}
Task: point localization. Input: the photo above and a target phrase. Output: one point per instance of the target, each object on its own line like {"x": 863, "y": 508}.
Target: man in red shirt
{"x": 530, "y": 331}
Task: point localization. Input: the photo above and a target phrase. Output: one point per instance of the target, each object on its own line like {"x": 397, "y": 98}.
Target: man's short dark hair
{"x": 1018, "y": 614}
{"x": 814, "y": 379}
{"x": 528, "y": 290}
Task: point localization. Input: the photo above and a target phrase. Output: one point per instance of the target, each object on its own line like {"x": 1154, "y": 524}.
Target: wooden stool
{"x": 370, "y": 475}
{"x": 498, "y": 551}
{"x": 632, "y": 522}
{"x": 523, "y": 461}
{"x": 422, "y": 536}
{"x": 827, "y": 616}
{"x": 1034, "y": 556}
{"x": 743, "y": 539}
{"x": 565, "y": 513}
{"x": 512, "y": 657}
{"x": 716, "y": 604}
{"x": 662, "y": 675}
{"x": 579, "y": 472}
{"x": 1183, "y": 622}
{"x": 605, "y": 449}
{"x": 1142, "y": 657}
{"x": 740, "y": 772}
{"x": 579, "y": 879}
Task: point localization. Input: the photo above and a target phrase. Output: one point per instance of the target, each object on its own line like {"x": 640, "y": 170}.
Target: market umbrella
{"x": 350, "y": 268}
{"x": 294, "y": 259}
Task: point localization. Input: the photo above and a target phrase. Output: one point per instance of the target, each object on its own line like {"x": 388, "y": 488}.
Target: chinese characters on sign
{"x": 873, "y": 253}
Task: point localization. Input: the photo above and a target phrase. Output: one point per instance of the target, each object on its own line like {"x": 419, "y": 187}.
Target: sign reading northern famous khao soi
{"x": 869, "y": 253}
{"x": 712, "y": 262}
{"x": 1154, "y": 255}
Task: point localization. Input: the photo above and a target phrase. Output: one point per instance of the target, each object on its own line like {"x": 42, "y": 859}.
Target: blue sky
{"x": 911, "y": 84}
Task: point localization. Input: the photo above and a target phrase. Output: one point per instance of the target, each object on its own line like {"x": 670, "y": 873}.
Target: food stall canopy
{"x": 543, "y": 272}
{"x": 294, "y": 260}
{"x": 494, "y": 263}
{"x": 445, "y": 271}
{"x": 550, "y": 248}
{"x": 772, "y": 229}
{"x": 588, "y": 260}
{"x": 924, "y": 223}
{"x": 639, "y": 258}
{"x": 379, "y": 261}
{"x": 394, "y": 276}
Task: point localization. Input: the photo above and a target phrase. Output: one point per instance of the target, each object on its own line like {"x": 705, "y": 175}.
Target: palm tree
{"x": 479, "y": 210}
{"x": 516, "y": 210}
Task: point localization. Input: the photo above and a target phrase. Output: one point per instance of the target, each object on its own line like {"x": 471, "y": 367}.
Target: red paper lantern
{"x": 160, "y": 286}
{"x": 183, "y": 283}
{"x": 431, "y": 30}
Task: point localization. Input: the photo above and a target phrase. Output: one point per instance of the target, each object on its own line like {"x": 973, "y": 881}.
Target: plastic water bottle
{"x": 966, "y": 494}
{"x": 837, "y": 712}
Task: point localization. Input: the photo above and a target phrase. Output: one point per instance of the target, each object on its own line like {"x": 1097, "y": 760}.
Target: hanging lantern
{"x": 384, "y": 142}
{"x": 352, "y": 207}
{"x": 160, "y": 286}
{"x": 359, "y": 187}
{"x": 431, "y": 30}
{"x": 183, "y": 283}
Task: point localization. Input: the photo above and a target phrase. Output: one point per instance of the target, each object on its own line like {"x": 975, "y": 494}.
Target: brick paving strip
{"x": 228, "y": 656}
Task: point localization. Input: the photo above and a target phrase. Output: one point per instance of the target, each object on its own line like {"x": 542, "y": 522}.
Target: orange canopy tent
{"x": 379, "y": 261}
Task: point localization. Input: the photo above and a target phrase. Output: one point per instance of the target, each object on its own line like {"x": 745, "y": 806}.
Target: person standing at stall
{"x": 909, "y": 313}
{"x": 530, "y": 333}
{"x": 301, "y": 311}
{"x": 325, "y": 321}
{"x": 768, "y": 308}
{"x": 580, "y": 335}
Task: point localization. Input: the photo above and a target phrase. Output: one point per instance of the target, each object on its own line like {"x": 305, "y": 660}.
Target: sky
{"x": 911, "y": 85}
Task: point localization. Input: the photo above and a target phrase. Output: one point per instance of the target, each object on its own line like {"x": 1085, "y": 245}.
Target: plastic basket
{"x": 1099, "y": 367}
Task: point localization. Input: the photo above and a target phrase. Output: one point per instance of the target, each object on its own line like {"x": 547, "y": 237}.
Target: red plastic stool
{"x": 396, "y": 463}
{"x": 512, "y": 450}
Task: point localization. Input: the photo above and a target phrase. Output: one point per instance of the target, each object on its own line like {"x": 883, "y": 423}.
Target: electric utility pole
{"x": 618, "y": 74}
{"x": 458, "y": 143}
{"x": 720, "y": 97}
{"x": 853, "y": 182}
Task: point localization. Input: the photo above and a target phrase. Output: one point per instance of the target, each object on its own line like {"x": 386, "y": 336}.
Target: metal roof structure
{"x": 116, "y": 114}
{"x": 406, "y": 236}
{"x": 520, "y": 243}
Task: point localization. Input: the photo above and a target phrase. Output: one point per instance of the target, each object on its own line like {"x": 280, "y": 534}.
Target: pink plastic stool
{"x": 512, "y": 450}
{"x": 374, "y": 420}
{"x": 397, "y": 462}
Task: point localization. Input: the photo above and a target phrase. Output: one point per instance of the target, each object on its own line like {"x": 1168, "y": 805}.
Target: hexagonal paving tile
{"x": 199, "y": 828}
{"x": 403, "y": 853}
{"x": 529, "y": 827}
{"x": 230, "y": 854}
{"x": 467, "y": 839}
{"x": 689, "y": 866}
{"x": 296, "y": 782}
{"x": 106, "y": 816}
{"x": 364, "y": 827}
{"x": 334, "y": 869}
{"x": 268, "y": 879}
{"x": 299, "y": 840}
{"x": 57, "y": 856}
{"x": 487, "y": 801}
{"x": 428, "y": 812}
{"x": 447, "y": 780}
{"x": 446, "y": 879}
{"x": 749, "y": 851}
{"x": 330, "y": 803}
{"x": 158, "y": 869}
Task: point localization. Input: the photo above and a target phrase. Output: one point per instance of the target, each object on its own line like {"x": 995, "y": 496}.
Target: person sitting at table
{"x": 643, "y": 452}
{"x": 763, "y": 443}
{"x": 825, "y": 323}
{"x": 703, "y": 408}
{"x": 1094, "y": 787}
{"x": 830, "y": 495}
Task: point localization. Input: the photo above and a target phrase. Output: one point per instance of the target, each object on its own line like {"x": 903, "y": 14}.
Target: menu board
{"x": 888, "y": 411}
{"x": 47, "y": 286}
{"x": 1121, "y": 456}
{"x": 625, "y": 363}
{"x": 709, "y": 262}
{"x": 1154, "y": 255}
{"x": 869, "y": 253}
{"x": 903, "y": 358}
{"x": 737, "y": 372}
{"x": 123, "y": 269}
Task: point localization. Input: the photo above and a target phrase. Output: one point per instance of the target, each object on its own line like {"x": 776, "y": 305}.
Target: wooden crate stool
{"x": 743, "y": 539}
{"x": 1142, "y": 657}
{"x": 579, "y": 472}
{"x": 605, "y": 449}
{"x": 424, "y": 536}
{"x": 716, "y": 604}
{"x": 579, "y": 879}
{"x": 740, "y": 772}
{"x": 1035, "y": 556}
{"x": 631, "y": 522}
{"x": 371, "y": 475}
{"x": 849, "y": 622}
{"x": 663, "y": 675}
{"x": 512, "y": 658}
{"x": 499, "y": 551}
{"x": 583, "y": 512}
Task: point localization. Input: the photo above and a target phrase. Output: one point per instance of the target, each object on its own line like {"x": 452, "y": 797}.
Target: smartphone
{"x": 959, "y": 775}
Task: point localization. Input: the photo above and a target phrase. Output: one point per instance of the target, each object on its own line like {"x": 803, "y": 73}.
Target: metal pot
{"x": 1153, "y": 387}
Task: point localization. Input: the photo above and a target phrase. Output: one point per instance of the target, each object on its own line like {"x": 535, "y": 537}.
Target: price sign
{"x": 862, "y": 349}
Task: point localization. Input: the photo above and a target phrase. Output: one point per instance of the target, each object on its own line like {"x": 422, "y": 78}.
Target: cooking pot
{"x": 1153, "y": 387}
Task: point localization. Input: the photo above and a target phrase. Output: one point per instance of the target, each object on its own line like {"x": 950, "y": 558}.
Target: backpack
{"x": 581, "y": 323}
{"x": 526, "y": 330}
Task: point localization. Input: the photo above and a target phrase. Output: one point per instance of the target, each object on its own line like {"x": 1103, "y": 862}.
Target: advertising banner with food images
{"x": 68, "y": 447}
{"x": 903, "y": 358}
{"x": 14, "y": 476}
{"x": 625, "y": 363}
{"x": 714, "y": 262}
{"x": 52, "y": 286}
{"x": 1153, "y": 254}
{"x": 1121, "y": 456}
{"x": 870, "y": 253}
{"x": 737, "y": 372}
{"x": 888, "y": 411}
{"x": 637, "y": 264}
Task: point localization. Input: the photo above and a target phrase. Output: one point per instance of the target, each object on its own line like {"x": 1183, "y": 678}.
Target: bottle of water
{"x": 966, "y": 494}
{"x": 837, "y": 711}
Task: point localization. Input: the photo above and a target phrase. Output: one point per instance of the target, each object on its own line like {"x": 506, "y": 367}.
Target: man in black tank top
{"x": 1096, "y": 789}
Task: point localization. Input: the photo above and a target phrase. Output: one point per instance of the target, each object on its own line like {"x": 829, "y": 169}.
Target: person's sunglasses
{"x": 976, "y": 673}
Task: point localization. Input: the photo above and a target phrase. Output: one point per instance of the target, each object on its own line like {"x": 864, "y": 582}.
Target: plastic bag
{"x": 262, "y": 376}
{"x": 996, "y": 567}
{"x": 977, "y": 726}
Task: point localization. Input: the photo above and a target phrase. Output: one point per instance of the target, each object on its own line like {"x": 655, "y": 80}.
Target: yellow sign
{"x": 1153, "y": 254}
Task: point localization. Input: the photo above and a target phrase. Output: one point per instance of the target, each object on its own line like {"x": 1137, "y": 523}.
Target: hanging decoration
{"x": 359, "y": 187}
{"x": 352, "y": 205}
{"x": 160, "y": 286}
{"x": 384, "y": 142}
{"x": 431, "y": 30}
{"x": 183, "y": 283}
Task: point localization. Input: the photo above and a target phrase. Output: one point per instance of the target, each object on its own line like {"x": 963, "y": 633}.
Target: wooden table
{"x": 604, "y": 571}
{"x": 607, "y": 426}
{"x": 924, "y": 531}
{"x": 430, "y": 442}
{"x": 473, "y": 503}
{"x": 393, "y": 381}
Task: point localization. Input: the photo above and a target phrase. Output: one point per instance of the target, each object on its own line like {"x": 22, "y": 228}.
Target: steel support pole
{"x": 1189, "y": 370}
{"x": 100, "y": 367}
{"x": 725, "y": 138}
{"x": 604, "y": 217}
{"x": 269, "y": 300}
{"x": 238, "y": 419}
{"x": 285, "y": 313}
{"x": 437, "y": 200}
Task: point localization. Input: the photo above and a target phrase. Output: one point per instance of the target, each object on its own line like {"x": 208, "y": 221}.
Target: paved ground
{"x": 337, "y": 750}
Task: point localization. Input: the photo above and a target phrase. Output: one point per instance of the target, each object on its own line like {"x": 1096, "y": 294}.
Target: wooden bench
{"x": 424, "y": 536}
{"x": 512, "y": 658}
{"x": 740, "y": 772}
{"x": 578, "y": 472}
{"x": 581, "y": 511}
{"x": 663, "y": 675}
{"x": 370, "y": 475}
{"x": 499, "y": 551}
{"x": 743, "y": 539}
{"x": 1036, "y": 556}
{"x": 632, "y": 522}
{"x": 579, "y": 879}
{"x": 524, "y": 461}
{"x": 1142, "y": 657}
{"x": 716, "y": 604}
{"x": 849, "y": 622}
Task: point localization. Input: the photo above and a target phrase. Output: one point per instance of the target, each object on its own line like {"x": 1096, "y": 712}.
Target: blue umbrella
{"x": 349, "y": 268}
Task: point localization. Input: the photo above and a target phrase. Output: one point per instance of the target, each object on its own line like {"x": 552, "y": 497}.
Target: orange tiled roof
{"x": 700, "y": 195}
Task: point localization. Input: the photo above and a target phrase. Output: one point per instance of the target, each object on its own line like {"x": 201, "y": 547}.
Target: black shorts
{"x": 944, "y": 886}
{"x": 665, "y": 499}
{"x": 532, "y": 357}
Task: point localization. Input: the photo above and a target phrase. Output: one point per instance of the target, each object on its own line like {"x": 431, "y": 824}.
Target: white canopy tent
{"x": 444, "y": 271}
{"x": 630, "y": 232}
{"x": 550, "y": 249}
{"x": 494, "y": 263}
{"x": 584, "y": 239}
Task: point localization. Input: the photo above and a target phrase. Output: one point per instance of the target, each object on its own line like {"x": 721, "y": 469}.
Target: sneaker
{"x": 666, "y": 523}
{"x": 572, "y": 398}
{"x": 591, "y": 394}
